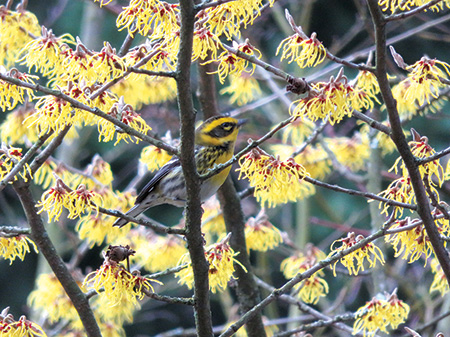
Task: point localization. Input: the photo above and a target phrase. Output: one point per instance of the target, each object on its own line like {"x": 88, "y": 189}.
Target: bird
{"x": 215, "y": 139}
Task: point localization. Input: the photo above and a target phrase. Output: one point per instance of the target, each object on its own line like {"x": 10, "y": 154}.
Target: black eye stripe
{"x": 222, "y": 130}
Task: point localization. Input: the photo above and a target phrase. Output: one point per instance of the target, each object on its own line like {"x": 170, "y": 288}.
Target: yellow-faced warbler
{"x": 215, "y": 139}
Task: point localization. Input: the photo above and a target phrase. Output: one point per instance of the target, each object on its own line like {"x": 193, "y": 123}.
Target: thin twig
{"x": 157, "y": 227}
{"x": 26, "y": 158}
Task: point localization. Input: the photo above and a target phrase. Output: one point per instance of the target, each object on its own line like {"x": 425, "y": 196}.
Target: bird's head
{"x": 218, "y": 131}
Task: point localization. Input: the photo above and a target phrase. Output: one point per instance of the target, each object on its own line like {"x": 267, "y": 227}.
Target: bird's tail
{"x": 134, "y": 211}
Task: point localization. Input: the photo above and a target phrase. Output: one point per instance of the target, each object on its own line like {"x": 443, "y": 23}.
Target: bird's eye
{"x": 227, "y": 126}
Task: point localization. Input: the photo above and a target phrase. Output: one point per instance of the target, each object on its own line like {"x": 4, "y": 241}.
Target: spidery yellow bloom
{"x": 412, "y": 244}
{"x": 15, "y": 27}
{"x": 117, "y": 282}
{"x": 332, "y": 99}
{"x": 82, "y": 200}
{"x": 367, "y": 82}
{"x": 425, "y": 79}
{"x": 406, "y": 5}
{"x": 440, "y": 280}
{"x": 149, "y": 16}
{"x": 399, "y": 190}
{"x": 75, "y": 201}
{"x": 126, "y": 114}
{"x": 260, "y": 234}
{"x": 220, "y": 257}
{"x": 433, "y": 169}
{"x": 275, "y": 181}
{"x": 430, "y": 171}
{"x": 100, "y": 170}
{"x": 9, "y": 157}
{"x": 231, "y": 64}
{"x": 227, "y": 18}
{"x": 307, "y": 52}
{"x": 205, "y": 43}
{"x": 314, "y": 287}
{"x": 10, "y": 94}
{"x": 107, "y": 64}
{"x": 368, "y": 252}
{"x": 365, "y": 91}
{"x": 380, "y": 313}
{"x": 54, "y": 114}
{"x": 44, "y": 53}
{"x": 77, "y": 64}
{"x": 16, "y": 246}
{"x": 243, "y": 89}
{"x": 9, "y": 327}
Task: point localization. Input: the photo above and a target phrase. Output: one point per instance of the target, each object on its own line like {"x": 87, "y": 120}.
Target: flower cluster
{"x": 425, "y": 79}
{"x": 221, "y": 259}
{"x": 78, "y": 201}
{"x": 231, "y": 64}
{"x": 116, "y": 283}
{"x": 275, "y": 181}
{"x": 260, "y": 234}
{"x": 334, "y": 100}
{"x": 406, "y": 5}
{"x": 227, "y": 18}
{"x": 379, "y": 313}
{"x": 314, "y": 287}
{"x": 16, "y": 246}
{"x": 10, "y": 94}
{"x": 15, "y": 30}
{"x": 432, "y": 174}
{"x": 124, "y": 113}
{"x": 45, "y": 53}
{"x": 410, "y": 239}
{"x": 145, "y": 16}
{"x": 144, "y": 89}
{"x": 9, "y": 157}
{"x": 354, "y": 261}
{"x": 307, "y": 52}
{"x": 9, "y": 327}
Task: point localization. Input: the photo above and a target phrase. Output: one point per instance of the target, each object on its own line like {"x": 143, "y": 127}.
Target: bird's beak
{"x": 241, "y": 122}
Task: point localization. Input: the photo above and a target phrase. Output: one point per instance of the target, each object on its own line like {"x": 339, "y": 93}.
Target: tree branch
{"x": 46, "y": 247}
{"x": 200, "y": 267}
{"x": 423, "y": 203}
